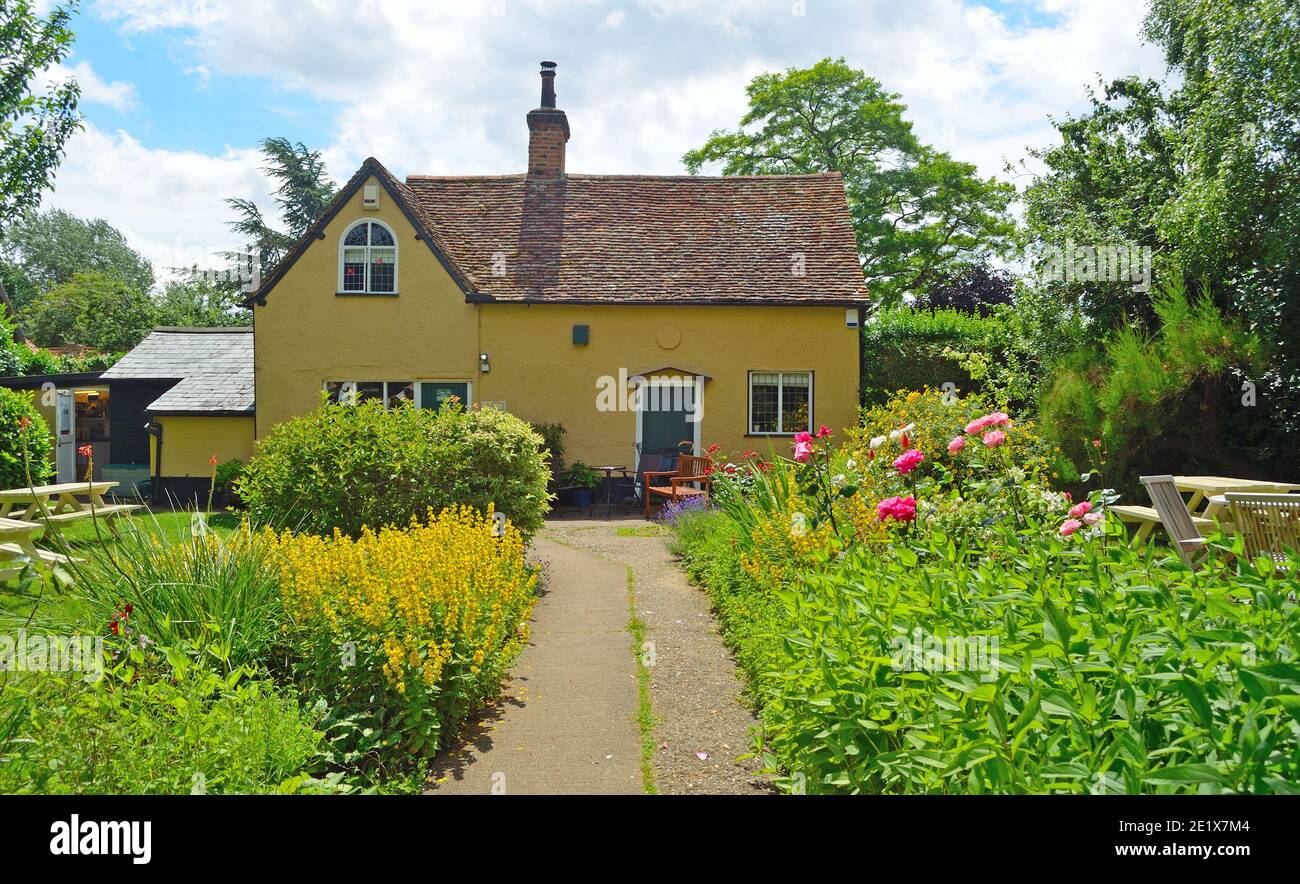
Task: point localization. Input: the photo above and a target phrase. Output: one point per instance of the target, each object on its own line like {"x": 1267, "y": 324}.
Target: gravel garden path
{"x": 568, "y": 719}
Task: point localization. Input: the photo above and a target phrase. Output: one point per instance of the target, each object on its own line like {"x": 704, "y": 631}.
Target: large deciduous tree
{"x": 51, "y": 247}
{"x": 34, "y": 124}
{"x": 920, "y": 216}
{"x": 1204, "y": 168}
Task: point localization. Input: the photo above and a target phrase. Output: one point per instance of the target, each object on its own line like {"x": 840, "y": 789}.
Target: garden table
{"x": 1206, "y": 504}
{"x": 16, "y": 538}
{"x": 48, "y": 506}
{"x": 608, "y": 484}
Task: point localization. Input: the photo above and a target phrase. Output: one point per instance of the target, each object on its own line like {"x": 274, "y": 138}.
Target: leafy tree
{"x": 51, "y": 247}
{"x": 978, "y": 289}
{"x": 304, "y": 191}
{"x": 1155, "y": 396}
{"x": 93, "y": 308}
{"x": 196, "y": 302}
{"x": 920, "y": 216}
{"x": 1205, "y": 172}
{"x": 34, "y": 126}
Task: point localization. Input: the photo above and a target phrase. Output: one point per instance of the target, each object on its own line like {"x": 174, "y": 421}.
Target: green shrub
{"x": 182, "y": 730}
{"x": 217, "y": 595}
{"x": 552, "y": 442}
{"x": 226, "y": 480}
{"x": 15, "y": 407}
{"x": 903, "y": 349}
{"x": 1157, "y": 402}
{"x": 349, "y": 466}
{"x": 1088, "y": 666}
{"x": 41, "y": 362}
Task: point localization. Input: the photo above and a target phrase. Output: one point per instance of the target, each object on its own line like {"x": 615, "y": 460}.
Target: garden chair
{"x": 1269, "y": 523}
{"x": 1183, "y": 532}
{"x": 691, "y": 472}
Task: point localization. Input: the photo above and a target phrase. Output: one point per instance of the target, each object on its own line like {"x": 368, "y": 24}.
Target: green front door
{"x": 434, "y": 393}
{"x": 664, "y": 431}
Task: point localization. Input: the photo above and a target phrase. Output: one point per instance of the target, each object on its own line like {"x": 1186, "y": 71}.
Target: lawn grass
{"x": 32, "y": 600}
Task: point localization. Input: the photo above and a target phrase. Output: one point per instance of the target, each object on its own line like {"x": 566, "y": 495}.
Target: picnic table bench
{"x": 16, "y": 539}
{"x": 48, "y": 506}
{"x": 1206, "y": 505}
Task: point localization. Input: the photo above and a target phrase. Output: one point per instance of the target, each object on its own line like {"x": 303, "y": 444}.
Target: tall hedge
{"x": 348, "y": 466}
{"x": 902, "y": 349}
{"x": 14, "y": 406}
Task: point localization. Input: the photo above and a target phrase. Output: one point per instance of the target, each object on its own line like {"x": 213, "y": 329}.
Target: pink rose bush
{"x": 908, "y": 461}
{"x": 900, "y": 509}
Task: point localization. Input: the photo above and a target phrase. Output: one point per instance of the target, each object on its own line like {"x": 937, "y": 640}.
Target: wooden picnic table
{"x": 47, "y": 506}
{"x": 17, "y": 538}
{"x": 1206, "y": 504}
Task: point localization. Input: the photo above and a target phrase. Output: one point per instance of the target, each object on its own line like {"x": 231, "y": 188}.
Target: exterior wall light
{"x": 483, "y": 364}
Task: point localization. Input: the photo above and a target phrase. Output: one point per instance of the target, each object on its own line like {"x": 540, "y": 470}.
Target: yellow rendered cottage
{"x": 640, "y": 312}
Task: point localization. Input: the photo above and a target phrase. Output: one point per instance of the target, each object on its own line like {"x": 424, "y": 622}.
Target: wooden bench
{"x": 16, "y": 542}
{"x": 50, "y": 506}
{"x": 1146, "y": 518}
{"x": 691, "y": 471}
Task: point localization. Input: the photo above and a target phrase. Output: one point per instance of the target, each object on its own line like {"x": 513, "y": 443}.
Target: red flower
{"x": 86, "y": 451}
{"x": 113, "y": 627}
{"x": 714, "y": 448}
{"x": 212, "y": 461}
{"x": 748, "y": 453}
{"x": 823, "y": 431}
{"x": 24, "y": 422}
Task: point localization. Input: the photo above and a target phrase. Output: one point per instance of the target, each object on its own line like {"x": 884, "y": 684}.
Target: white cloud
{"x": 167, "y": 203}
{"x": 117, "y": 94}
{"x": 443, "y": 88}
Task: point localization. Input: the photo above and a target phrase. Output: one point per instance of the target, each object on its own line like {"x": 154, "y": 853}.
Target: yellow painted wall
{"x": 306, "y": 335}
{"x": 543, "y": 377}
{"x": 189, "y": 443}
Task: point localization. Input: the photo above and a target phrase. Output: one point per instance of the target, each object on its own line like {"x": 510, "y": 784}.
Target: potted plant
{"x": 581, "y": 480}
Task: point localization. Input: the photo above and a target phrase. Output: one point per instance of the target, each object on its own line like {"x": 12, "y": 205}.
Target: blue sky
{"x": 177, "y": 93}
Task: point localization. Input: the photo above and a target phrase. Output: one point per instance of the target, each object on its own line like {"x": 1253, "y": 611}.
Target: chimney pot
{"x": 548, "y": 84}
{"x": 548, "y": 130}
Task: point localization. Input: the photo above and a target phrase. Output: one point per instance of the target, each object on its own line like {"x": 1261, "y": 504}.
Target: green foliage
{"x": 945, "y": 659}
{"x": 35, "y": 120}
{"x": 920, "y": 216}
{"x": 197, "y": 303}
{"x": 1152, "y": 398}
{"x": 346, "y": 466}
{"x": 579, "y": 475}
{"x": 54, "y": 246}
{"x": 305, "y": 189}
{"x": 92, "y": 308}
{"x": 179, "y": 730}
{"x": 906, "y": 349}
{"x": 553, "y": 443}
{"x": 215, "y": 595}
{"x": 227, "y": 478}
{"x": 1203, "y": 168}
{"x": 24, "y": 451}
{"x": 1108, "y": 671}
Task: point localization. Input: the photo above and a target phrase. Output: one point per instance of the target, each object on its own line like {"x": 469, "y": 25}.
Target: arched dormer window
{"x": 368, "y": 259}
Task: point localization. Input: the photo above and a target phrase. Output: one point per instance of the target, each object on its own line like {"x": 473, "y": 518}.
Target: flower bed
{"x": 919, "y": 612}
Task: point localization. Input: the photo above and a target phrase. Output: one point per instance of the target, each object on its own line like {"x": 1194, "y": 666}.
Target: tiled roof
{"x": 630, "y": 239}
{"x": 626, "y": 239}
{"x": 214, "y": 368}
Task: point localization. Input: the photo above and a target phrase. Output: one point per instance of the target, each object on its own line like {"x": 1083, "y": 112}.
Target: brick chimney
{"x": 548, "y": 130}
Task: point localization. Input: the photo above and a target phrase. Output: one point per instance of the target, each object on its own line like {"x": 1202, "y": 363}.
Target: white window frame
{"x": 780, "y": 396}
{"x": 325, "y": 385}
{"x": 396, "y": 257}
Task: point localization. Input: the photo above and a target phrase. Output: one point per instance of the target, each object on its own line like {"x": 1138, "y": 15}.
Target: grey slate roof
{"x": 213, "y": 367}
